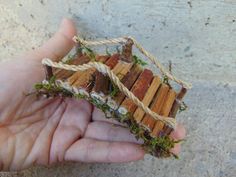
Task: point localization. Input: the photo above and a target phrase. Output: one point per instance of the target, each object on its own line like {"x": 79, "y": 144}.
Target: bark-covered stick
{"x": 148, "y": 121}
{"x": 138, "y": 89}
{"x": 128, "y": 80}
{"x": 165, "y": 110}
{"x": 139, "y": 113}
{"x": 176, "y": 104}
{"x": 101, "y": 86}
{"x": 127, "y": 51}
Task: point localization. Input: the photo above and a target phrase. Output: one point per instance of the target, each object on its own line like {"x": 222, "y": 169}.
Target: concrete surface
{"x": 198, "y": 36}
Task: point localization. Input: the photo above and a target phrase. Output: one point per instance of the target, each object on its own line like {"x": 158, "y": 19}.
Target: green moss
{"x": 113, "y": 90}
{"x": 182, "y": 107}
{"x": 138, "y": 60}
{"x": 51, "y": 89}
{"x": 87, "y": 51}
{"x": 107, "y": 52}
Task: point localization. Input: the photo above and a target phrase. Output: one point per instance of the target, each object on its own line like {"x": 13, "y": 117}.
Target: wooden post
{"x": 128, "y": 80}
{"x": 139, "y": 113}
{"x": 148, "y": 121}
{"x": 176, "y": 104}
{"x": 101, "y": 86}
{"x": 127, "y": 51}
{"x": 138, "y": 89}
{"x": 169, "y": 100}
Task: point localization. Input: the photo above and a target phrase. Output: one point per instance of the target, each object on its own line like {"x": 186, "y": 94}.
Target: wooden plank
{"x": 113, "y": 60}
{"x": 139, "y": 113}
{"x": 102, "y": 58}
{"x": 125, "y": 70}
{"x": 169, "y": 100}
{"x": 64, "y": 74}
{"x": 84, "y": 81}
{"x": 148, "y": 121}
{"x": 175, "y": 108}
{"x": 119, "y": 66}
{"x": 128, "y": 80}
{"x": 138, "y": 89}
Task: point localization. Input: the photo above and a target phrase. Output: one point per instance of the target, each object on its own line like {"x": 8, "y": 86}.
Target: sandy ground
{"x": 199, "y": 37}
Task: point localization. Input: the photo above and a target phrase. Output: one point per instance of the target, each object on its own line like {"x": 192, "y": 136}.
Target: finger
{"x": 60, "y": 44}
{"x": 98, "y": 115}
{"x": 178, "y": 134}
{"x": 70, "y": 128}
{"x": 90, "y": 150}
{"x": 176, "y": 149}
{"x": 109, "y": 132}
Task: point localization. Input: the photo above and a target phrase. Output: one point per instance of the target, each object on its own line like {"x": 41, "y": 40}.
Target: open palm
{"x": 45, "y": 131}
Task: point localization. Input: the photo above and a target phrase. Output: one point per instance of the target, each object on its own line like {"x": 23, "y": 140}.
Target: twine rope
{"x": 77, "y": 39}
{"x": 106, "y": 70}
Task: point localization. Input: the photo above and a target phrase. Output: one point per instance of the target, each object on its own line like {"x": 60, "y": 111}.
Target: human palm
{"x": 45, "y": 131}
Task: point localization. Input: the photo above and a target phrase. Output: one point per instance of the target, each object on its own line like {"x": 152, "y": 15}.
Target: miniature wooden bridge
{"x": 121, "y": 84}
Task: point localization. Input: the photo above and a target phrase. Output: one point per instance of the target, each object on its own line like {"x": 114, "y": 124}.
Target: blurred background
{"x": 198, "y": 36}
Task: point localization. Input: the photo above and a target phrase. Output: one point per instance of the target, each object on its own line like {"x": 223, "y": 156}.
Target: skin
{"x": 47, "y": 131}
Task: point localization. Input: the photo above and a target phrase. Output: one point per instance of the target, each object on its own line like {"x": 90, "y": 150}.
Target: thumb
{"x": 60, "y": 44}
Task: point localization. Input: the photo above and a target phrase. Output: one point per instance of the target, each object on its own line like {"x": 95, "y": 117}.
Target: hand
{"x": 47, "y": 131}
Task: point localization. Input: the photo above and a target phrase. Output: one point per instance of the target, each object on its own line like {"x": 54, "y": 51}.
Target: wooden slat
{"x": 102, "y": 58}
{"x": 84, "y": 81}
{"x": 138, "y": 89}
{"x": 64, "y": 74}
{"x": 139, "y": 113}
{"x": 175, "y": 108}
{"x": 169, "y": 100}
{"x": 128, "y": 80}
{"x": 113, "y": 60}
{"x": 125, "y": 70}
{"x": 156, "y": 106}
{"x": 119, "y": 66}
